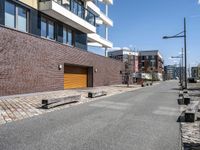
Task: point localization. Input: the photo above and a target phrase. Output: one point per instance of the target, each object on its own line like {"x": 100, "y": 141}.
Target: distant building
{"x": 169, "y": 72}
{"x": 122, "y": 55}
{"x": 180, "y": 72}
{"x": 195, "y": 72}
{"x": 151, "y": 63}
{"x": 130, "y": 58}
{"x": 145, "y": 63}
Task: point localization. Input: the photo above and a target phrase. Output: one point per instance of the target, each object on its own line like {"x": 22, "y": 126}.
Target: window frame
{"x": 47, "y": 20}
{"x": 16, "y": 16}
{"x": 68, "y": 31}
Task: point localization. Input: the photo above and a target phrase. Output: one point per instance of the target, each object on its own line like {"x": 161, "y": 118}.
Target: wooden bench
{"x": 50, "y": 103}
{"x": 190, "y": 113}
{"x": 186, "y": 99}
{"x": 97, "y": 94}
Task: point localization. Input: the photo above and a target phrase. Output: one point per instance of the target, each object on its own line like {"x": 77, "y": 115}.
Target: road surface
{"x": 145, "y": 119}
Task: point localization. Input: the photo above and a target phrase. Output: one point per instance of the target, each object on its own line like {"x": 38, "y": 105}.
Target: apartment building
{"x": 123, "y": 54}
{"x": 151, "y": 63}
{"x": 145, "y": 63}
{"x": 170, "y": 72}
{"x": 130, "y": 58}
{"x": 43, "y": 45}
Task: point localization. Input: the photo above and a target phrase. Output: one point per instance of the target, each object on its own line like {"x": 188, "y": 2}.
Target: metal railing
{"x": 75, "y": 7}
{"x": 96, "y": 2}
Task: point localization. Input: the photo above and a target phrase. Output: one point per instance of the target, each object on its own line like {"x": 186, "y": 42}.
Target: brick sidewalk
{"x": 18, "y": 107}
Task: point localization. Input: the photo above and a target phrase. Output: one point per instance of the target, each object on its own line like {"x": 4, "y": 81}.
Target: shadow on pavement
{"x": 181, "y": 118}
{"x": 194, "y": 89}
{"x": 176, "y": 89}
{"x": 191, "y": 146}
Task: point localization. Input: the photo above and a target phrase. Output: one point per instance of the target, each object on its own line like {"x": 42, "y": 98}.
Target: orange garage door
{"x": 75, "y": 77}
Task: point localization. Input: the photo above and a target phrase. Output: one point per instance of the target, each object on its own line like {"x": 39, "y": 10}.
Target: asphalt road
{"x": 145, "y": 119}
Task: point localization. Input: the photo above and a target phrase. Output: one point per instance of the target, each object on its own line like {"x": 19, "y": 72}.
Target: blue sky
{"x": 141, "y": 24}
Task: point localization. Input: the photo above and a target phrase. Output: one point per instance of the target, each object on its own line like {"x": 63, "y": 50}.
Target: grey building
{"x": 170, "y": 72}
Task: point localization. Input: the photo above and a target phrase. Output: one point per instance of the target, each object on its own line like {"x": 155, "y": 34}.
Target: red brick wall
{"x": 147, "y": 68}
{"x": 30, "y": 64}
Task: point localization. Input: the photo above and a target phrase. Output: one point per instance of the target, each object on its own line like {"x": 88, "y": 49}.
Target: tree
{"x": 129, "y": 69}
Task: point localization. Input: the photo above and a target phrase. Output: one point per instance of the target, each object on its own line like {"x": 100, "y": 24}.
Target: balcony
{"x": 96, "y": 40}
{"x": 71, "y": 13}
{"x": 110, "y": 2}
{"x": 106, "y": 20}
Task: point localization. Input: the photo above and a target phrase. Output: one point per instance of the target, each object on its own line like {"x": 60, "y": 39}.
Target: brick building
{"x": 122, "y": 55}
{"x": 43, "y": 46}
{"x": 151, "y": 62}
{"x": 145, "y": 63}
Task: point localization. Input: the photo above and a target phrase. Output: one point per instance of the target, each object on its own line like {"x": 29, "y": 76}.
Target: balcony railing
{"x": 75, "y": 7}
{"x": 96, "y": 2}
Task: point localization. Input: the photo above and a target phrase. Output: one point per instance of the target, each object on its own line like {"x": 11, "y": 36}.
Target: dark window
{"x": 143, "y": 57}
{"x": 60, "y": 33}
{"x": 142, "y": 64}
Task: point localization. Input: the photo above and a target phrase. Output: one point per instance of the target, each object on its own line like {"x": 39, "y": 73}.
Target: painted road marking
{"x": 167, "y": 111}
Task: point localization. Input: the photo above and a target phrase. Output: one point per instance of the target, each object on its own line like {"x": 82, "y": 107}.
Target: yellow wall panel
{"x": 31, "y": 3}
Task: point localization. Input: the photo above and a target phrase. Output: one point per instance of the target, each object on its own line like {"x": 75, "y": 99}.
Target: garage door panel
{"x": 75, "y": 77}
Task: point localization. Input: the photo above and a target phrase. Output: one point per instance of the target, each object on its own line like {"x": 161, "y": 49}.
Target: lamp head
{"x": 165, "y": 37}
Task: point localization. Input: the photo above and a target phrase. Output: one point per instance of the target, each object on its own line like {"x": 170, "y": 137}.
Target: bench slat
{"x": 96, "y": 94}
{"x": 49, "y": 103}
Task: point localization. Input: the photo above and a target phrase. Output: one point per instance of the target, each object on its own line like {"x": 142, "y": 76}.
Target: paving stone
{"x": 24, "y": 106}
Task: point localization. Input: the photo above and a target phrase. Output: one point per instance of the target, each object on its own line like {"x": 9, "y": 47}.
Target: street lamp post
{"x": 182, "y": 35}
{"x": 181, "y": 67}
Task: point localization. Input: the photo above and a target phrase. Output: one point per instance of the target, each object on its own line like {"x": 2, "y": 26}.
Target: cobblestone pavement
{"x": 191, "y": 131}
{"x": 18, "y": 107}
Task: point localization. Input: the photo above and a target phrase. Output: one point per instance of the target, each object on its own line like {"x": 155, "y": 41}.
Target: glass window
{"x": 59, "y": 33}
{"x": 50, "y": 30}
{"x": 22, "y": 19}
{"x": 43, "y": 27}
{"x": 9, "y": 14}
{"x": 64, "y": 35}
{"x": 142, "y": 64}
{"x": 15, "y": 16}
{"x": 143, "y": 57}
{"x": 75, "y": 7}
{"x": 70, "y": 37}
{"x": 80, "y": 11}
